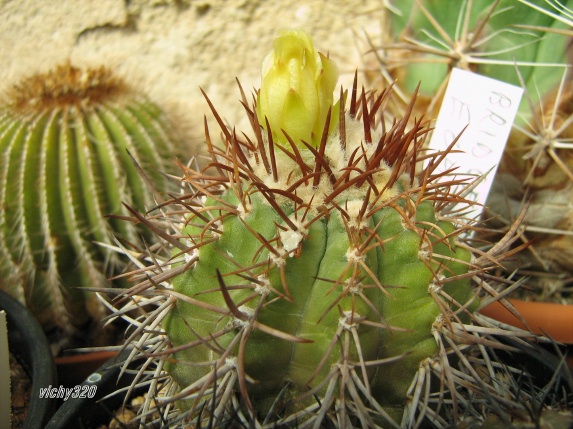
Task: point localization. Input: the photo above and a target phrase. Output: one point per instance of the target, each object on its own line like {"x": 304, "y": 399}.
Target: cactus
{"x": 538, "y": 163}
{"x": 320, "y": 282}
{"x": 69, "y": 139}
{"x": 526, "y": 43}
{"x": 504, "y": 39}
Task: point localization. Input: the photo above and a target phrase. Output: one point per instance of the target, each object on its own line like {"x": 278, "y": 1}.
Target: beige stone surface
{"x": 170, "y": 48}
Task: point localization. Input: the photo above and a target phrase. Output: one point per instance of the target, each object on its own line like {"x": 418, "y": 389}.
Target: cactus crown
{"x": 65, "y": 86}
{"x": 341, "y": 167}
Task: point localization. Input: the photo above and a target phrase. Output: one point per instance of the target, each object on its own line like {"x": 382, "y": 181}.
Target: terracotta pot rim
{"x": 546, "y": 318}
{"x": 85, "y": 357}
{"x": 74, "y": 369}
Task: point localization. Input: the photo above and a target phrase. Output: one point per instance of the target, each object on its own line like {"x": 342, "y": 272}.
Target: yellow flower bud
{"x": 297, "y": 89}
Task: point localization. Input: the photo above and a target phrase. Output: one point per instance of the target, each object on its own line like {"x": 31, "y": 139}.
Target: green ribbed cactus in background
{"x": 526, "y": 43}
{"x": 315, "y": 278}
{"x": 71, "y": 140}
{"x": 507, "y": 40}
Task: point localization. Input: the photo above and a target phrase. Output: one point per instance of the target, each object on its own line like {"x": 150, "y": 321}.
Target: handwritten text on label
{"x": 484, "y": 109}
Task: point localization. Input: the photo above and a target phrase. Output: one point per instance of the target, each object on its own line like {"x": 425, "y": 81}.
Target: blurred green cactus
{"x": 525, "y": 43}
{"x": 507, "y": 40}
{"x": 71, "y": 140}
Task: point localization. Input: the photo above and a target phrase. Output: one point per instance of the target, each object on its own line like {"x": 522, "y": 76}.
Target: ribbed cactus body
{"x": 70, "y": 141}
{"x": 372, "y": 277}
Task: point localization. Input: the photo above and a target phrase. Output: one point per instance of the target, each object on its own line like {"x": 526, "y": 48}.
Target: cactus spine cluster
{"x": 71, "y": 140}
{"x": 319, "y": 282}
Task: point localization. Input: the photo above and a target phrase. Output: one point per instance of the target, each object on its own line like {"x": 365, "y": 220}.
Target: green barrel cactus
{"x": 525, "y": 43}
{"x": 510, "y": 40}
{"x": 72, "y": 143}
{"x": 315, "y": 279}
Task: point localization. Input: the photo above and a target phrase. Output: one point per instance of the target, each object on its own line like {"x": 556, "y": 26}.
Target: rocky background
{"x": 171, "y": 48}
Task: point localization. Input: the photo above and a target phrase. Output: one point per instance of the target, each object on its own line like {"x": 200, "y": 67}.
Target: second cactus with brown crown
{"x": 72, "y": 142}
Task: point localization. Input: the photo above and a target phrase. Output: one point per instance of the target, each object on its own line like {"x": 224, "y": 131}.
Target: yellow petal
{"x": 297, "y": 122}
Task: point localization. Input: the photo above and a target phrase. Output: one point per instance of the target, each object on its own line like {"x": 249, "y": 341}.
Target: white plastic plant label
{"x": 482, "y": 109}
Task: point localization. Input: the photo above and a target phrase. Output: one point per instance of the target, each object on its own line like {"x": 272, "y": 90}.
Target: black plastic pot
{"x": 544, "y": 364}
{"x": 29, "y": 346}
{"x": 541, "y": 368}
{"x": 92, "y": 408}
